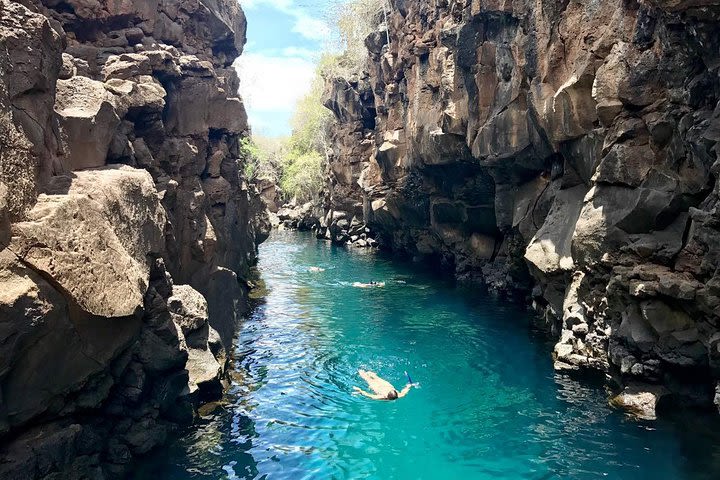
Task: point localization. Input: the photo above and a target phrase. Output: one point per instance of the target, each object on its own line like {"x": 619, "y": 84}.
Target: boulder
{"x": 145, "y": 96}
{"x": 198, "y": 106}
{"x": 129, "y": 201}
{"x": 87, "y": 116}
{"x": 270, "y": 193}
{"x": 225, "y": 302}
{"x": 68, "y": 69}
{"x": 625, "y": 165}
{"x": 68, "y": 238}
{"x": 41, "y": 328}
{"x": 94, "y": 241}
{"x": 189, "y": 309}
{"x": 597, "y": 229}
{"x": 550, "y": 251}
{"x": 664, "y": 319}
{"x": 204, "y": 372}
{"x": 640, "y": 400}
{"x": 636, "y": 331}
{"x": 228, "y": 114}
{"x": 126, "y": 66}
{"x": 162, "y": 351}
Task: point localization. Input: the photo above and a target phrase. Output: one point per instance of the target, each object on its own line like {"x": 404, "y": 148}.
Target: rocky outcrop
{"x": 127, "y": 230}
{"x": 351, "y": 101}
{"x": 303, "y": 217}
{"x": 93, "y": 240}
{"x": 29, "y": 64}
{"x": 270, "y": 193}
{"x": 565, "y": 150}
{"x": 335, "y": 225}
{"x": 206, "y": 353}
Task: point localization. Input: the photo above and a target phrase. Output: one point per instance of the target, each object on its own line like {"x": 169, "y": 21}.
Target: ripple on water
{"x": 489, "y": 407}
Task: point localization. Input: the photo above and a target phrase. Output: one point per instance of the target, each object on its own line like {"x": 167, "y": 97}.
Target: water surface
{"x": 489, "y": 407}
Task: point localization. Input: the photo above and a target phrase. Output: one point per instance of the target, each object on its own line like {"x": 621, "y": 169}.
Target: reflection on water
{"x": 489, "y": 406}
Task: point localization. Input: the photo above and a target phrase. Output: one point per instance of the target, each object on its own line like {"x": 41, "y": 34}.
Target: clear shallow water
{"x": 490, "y": 405}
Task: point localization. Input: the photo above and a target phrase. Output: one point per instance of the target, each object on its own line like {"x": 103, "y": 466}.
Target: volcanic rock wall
{"x": 563, "y": 148}
{"x": 126, "y": 229}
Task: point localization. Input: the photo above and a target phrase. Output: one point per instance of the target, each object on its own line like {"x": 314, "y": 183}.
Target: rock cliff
{"x": 564, "y": 149}
{"x": 126, "y": 228}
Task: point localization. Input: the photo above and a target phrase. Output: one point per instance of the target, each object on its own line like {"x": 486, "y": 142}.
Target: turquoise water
{"x": 489, "y": 407}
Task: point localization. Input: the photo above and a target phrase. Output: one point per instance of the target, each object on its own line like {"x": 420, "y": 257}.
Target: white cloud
{"x": 279, "y": 4}
{"x": 311, "y": 28}
{"x": 305, "y": 53}
{"x": 274, "y": 78}
{"x": 306, "y": 25}
{"x": 273, "y": 85}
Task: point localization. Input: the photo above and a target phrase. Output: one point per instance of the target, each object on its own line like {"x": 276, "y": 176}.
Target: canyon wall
{"x": 564, "y": 149}
{"x": 126, "y": 228}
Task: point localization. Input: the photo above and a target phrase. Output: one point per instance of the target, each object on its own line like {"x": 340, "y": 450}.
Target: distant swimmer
{"x": 383, "y": 390}
{"x": 369, "y": 285}
{"x": 316, "y": 269}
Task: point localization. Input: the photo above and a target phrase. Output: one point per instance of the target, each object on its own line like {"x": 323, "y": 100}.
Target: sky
{"x": 284, "y": 42}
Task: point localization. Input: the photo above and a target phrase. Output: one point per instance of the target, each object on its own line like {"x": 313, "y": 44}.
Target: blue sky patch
{"x": 285, "y": 40}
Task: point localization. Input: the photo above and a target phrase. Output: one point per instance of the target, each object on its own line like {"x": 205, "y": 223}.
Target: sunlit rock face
{"x": 563, "y": 149}
{"x": 127, "y": 230}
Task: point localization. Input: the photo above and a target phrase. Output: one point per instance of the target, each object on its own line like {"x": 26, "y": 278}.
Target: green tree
{"x": 302, "y": 177}
{"x": 311, "y": 120}
{"x": 305, "y": 156}
{"x": 263, "y": 156}
{"x": 295, "y": 163}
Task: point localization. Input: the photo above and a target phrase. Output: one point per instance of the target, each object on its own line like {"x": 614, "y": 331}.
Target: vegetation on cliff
{"x": 297, "y": 163}
{"x": 353, "y": 21}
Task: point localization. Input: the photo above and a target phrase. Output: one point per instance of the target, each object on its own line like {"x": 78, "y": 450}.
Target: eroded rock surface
{"x": 127, "y": 230}
{"x": 564, "y": 149}
{"x": 95, "y": 240}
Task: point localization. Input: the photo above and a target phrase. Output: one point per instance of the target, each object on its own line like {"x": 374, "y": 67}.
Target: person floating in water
{"x": 382, "y": 388}
{"x": 369, "y": 285}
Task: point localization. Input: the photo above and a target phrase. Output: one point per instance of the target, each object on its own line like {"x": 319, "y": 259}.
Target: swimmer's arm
{"x": 366, "y": 394}
{"x": 405, "y": 390}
